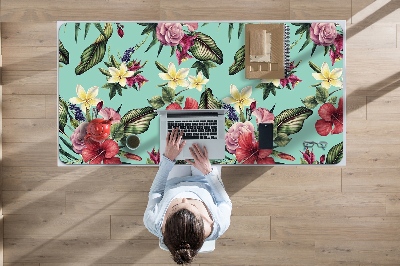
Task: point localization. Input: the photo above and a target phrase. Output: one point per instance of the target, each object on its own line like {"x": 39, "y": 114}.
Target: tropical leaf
{"x": 105, "y": 72}
{"x": 207, "y": 100}
{"x": 204, "y": 67}
{"x": 173, "y": 49}
{"x": 302, "y": 29}
{"x": 114, "y": 62}
{"x": 322, "y": 94}
{"x": 204, "y": 48}
{"x": 168, "y": 94}
{"x": 161, "y": 67}
{"x": 335, "y": 154}
{"x": 313, "y": 49}
{"x": 150, "y": 27}
{"x": 62, "y": 114}
{"x": 314, "y": 67}
{"x": 307, "y": 42}
{"x": 267, "y": 89}
{"x": 93, "y": 54}
{"x": 156, "y": 102}
{"x": 291, "y": 121}
{"x": 282, "y": 139}
{"x": 310, "y": 102}
{"x": 137, "y": 121}
{"x": 87, "y": 27}
{"x": 160, "y": 49}
{"x": 98, "y": 26}
{"x": 67, "y": 144}
{"x": 179, "y": 99}
{"x": 238, "y": 61}
{"x": 63, "y": 54}
{"x": 332, "y": 100}
{"x": 117, "y": 131}
{"x": 230, "y": 32}
{"x": 66, "y": 154}
{"x": 77, "y": 31}
{"x": 240, "y": 30}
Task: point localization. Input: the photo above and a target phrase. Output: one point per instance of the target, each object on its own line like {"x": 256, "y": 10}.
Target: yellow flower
{"x": 197, "y": 82}
{"x": 329, "y": 78}
{"x": 86, "y": 99}
{"x": 239, "y": 99}
{"x": 276, "y": 82}
{"x": 120, "y": 75}
{"x": 175, "y": 78}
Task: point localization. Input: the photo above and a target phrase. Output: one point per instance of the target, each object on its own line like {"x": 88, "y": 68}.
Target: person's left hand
{"x": 174, "y": 145}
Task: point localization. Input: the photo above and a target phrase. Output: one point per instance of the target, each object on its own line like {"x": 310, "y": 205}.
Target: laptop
{"x": 206, "y": 127}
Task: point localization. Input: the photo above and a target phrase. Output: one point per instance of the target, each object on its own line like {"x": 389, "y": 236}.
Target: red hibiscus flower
{"x": 190, "y": 103}
{"x": 184, "y": 45}
{"x": 96, "y": 152}
{"x": 248, "y": 151}
{"x": 331, "y": 116}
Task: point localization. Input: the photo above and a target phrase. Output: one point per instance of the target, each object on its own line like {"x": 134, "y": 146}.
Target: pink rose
{"x": 192, "y": 26}
{"x": 263, "y": 116}
{"x": 232, "y": 136}
{"x": 323, "y": 33}
{"x": 110, "y": 114}
{"x": 78, "y": 137}
{"x": 169, "y": 33}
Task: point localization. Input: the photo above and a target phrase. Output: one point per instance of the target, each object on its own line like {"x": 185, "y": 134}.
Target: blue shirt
{"x": 209, "y": 188}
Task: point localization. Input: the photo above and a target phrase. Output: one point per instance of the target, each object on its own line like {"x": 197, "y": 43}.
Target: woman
{"x": 186, "y": 211}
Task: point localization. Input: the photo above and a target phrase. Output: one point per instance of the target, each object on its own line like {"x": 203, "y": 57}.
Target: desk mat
{"x": 113, "y": 76}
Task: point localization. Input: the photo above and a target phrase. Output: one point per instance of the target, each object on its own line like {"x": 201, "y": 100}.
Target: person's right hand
{"x": 200, "y": 157}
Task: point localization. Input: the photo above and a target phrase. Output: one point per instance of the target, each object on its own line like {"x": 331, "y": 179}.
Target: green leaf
{"x": 67, "y": 144}
{"x": 307, "y": 42}
{"x": 238, "y": 61}
{"x": 326, "y": 50}
{"x": 119, "y": 90}
{"x": 204, "y": 48}
{"x": 335, "y": 154}
{"x": 105, "y": 72}
{"x": 228, "y": 123}
{"x": 282, "y": 139}
{"x": 313, "y": 49}
{"x": 137, "y": 121}
{"x": 149, "y": 161}
{"x": 267, "y": 89}
{"x": 150, "y": 27}
{"x": 108, "y": 85}
{"x": 179, "y": 99}
{"x": 240, "y": 30}
{"x": 314, "y": 67}
{"x": 62, "y": 114}
{"x": 321, "y": 95}
{"x": 117, "y": 131}
{"x": 207, "y": 100}
{"x": 76, "y": 31}
{"x": 332, "y": 100}
{"x": 114, "y": 62}
{"x": 291, "y": 121}
{"x": 168, "y": 94}
{"x": 173, "y": 49}
{"x": 161, "y": 67}
{"x": 87, "y": 27}
{"x": 98, "y": 26}
{"x": 302, "y": 29}
{"x": 66, "y": 154}
{"x": 230, "y": 32}
{"x": 156, "y": 102}
{"x": 302, "y": 161}
{"x": 200, "y": 66}
{"x": 113, "y": 92}
{"x": 93, "y": 54}
{"x": 310, "y": 102}
{"x": 160, "y": 48}
{"x": 153, "y": 42}
{"x": 63, "y": 54}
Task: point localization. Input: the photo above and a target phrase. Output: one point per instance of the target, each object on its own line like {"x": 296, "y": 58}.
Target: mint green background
{"x": 219, "y": 80}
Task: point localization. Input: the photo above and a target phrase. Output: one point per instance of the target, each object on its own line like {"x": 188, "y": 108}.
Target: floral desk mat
{"x": 113, "y": 76}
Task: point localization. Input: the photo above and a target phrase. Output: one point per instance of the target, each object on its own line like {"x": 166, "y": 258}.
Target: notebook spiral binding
{"x": 286, "y": 48}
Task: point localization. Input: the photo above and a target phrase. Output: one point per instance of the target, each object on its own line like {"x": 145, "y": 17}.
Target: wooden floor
{"x": 281, "y": 215}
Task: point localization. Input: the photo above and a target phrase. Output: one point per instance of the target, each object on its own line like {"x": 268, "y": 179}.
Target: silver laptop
{"x": 205, "y": 127}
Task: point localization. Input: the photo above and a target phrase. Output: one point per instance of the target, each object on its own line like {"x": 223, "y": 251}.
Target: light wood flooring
{"x": 281, "y": 215}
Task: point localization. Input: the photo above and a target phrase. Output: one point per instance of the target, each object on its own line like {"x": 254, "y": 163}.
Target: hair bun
{"x": 184, "y": 245}
{"x": 183, "y": 255}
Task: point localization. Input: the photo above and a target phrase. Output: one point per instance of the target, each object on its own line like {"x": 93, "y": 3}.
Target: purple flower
{"x": 323, "y": 33}
{"x": 232, "y": 115}
{"x": 78, "y": 137}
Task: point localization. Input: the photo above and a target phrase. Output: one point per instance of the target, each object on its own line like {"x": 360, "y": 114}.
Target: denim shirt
{"x": 209, "y": 188}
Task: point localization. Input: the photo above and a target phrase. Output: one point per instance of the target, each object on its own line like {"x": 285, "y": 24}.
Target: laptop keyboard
{"x": 196, "y": 129}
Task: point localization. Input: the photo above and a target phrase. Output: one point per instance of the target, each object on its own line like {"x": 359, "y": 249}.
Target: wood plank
{"x": 200, "y": 10}
{"x": 371, "y": 155}
{"x": 21, "y": 11}
{"x": 45, "y": 62}
{"x": 29, "y": 130}
{"x": 147, "y": 251}
{"x": 52, "y": 107}
{"x": 335, "y": 228}
{"x": 28, "y": 34}
{"x": 107, "y": 203}
{"x": 129, "y": 227}
{"x": 21, "y": 264}
{"x": 384, "y": 35}
{"x": 40, "y": 82}
{"x": 81, "y": 179}
{"x": 356, "y": 109}
{"x": 53, "y": 226}
{"x": 364, "y": 252}
{"x": 24, "y": 106}
{"x": 309, "y": 204}
{"x": 283, "y": 179}
{"x": 367, "y": 180}
{"x": 393, "y": 204}
{"x": 305, "y": 9}
{"x": 33, "y": 202}
{"x": 113, "y": 264}
{"x": 30, "y": 154}
{"x": 372, "y": 132}
{"x": 383, "y": 108}
{"x": 373, "y": 12}
{"x": 358, "y": 6}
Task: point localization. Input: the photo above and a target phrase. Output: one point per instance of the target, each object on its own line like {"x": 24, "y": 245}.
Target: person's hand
{"x": 174, "y": 145}
{"x": 200, "y": 157}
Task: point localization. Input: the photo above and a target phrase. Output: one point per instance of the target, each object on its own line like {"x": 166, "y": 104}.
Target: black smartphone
{"x": 265, "y": 135}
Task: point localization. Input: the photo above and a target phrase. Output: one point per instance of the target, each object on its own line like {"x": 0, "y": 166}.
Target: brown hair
{"x": 184, "y": 235}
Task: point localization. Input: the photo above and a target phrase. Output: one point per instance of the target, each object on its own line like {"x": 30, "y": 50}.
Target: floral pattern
{"x": 133, "y": 69}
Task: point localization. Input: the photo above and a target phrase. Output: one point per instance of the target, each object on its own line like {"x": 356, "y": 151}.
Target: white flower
{"x": 329, "y": 78}
{"x": 120, "y": 75}
{"x": 239, "y": 99}
{"x": 86, "y": 99}
{"x": 197, "y": 82}
{"x": 175, "y": 78}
